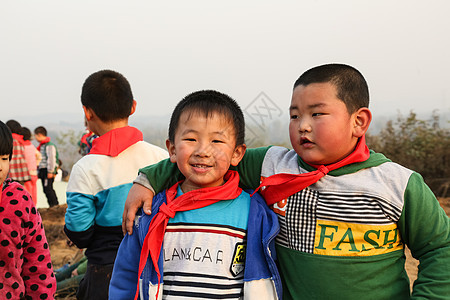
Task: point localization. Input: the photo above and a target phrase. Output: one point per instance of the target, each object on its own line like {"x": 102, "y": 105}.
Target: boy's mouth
{"x": 304, "y": 140}
{"x": 201, "y": 166}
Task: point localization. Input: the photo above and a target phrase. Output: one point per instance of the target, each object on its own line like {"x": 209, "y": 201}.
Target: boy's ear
{"x": 133, "y": 107}
{"x": 361, "y": 121}
{"x": 238, "y": 154}
{"x": 88, "y": 113}
{"x": 172, "y": 153}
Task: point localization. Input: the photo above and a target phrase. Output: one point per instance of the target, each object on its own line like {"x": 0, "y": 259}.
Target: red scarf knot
{"x": 166, "y": 210}
{"x": 323, "y": 169}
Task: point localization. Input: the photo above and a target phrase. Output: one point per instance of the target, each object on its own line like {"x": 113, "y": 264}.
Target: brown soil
{"x": 62, "y": 253}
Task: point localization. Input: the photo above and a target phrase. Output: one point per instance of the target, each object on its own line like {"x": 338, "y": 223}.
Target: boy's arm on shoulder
{"x": 260, "y": 263}
{"x": 249, "y": 168}
{"x": 162, "y": 175}
{"x": 140, "y": 195}
{"x": 426, "y": 230}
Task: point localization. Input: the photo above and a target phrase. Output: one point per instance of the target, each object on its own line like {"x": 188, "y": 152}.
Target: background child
{"x": 346, "y": 213}
{"x": 33, "y": 157}
{"x": 48, "y": 166}
{"x": 85, "y": 142}
{"x": 216, "y": 234}
{"x": 18, "y": 170}
{"x": 25, "y": 264}
{"x": 99, "y": 182}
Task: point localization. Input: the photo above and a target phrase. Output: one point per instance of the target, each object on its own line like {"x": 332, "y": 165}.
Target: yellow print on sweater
{"x": 350, "y": 239}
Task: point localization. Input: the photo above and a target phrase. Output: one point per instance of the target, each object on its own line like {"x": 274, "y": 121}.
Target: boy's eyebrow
{"x": 222, "y": 132}
{"x": 189, "y": 131}
{"x": 292, "y": 107}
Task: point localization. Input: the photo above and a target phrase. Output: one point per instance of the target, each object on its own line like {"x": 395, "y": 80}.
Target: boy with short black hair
{"x": 99, "y": 182}
{"x": 206, "y": 237}
{"x": 346, "y": 213}
{"x": 48, "y": 166}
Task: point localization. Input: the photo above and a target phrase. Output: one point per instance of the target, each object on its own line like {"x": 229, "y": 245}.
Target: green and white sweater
{"x": 344, "y": 236}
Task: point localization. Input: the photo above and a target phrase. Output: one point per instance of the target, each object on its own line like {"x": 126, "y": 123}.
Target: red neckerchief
{"x": 18, "y": 137}
{"x": 115, "y": 141}
{"x": 45, "y": 141}
{"x": 188, "y": 201}
{"x": 280, "y": 186}
{"x": 26, "y": 142}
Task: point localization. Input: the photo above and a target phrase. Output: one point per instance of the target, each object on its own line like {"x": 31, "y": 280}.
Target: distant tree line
{"x": 420, "y": 145}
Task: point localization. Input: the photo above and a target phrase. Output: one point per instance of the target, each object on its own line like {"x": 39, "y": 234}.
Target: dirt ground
{"x": 62, "y": 253}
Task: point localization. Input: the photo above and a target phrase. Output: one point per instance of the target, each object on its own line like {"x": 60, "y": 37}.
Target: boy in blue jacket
{"x": 205, "y": 236}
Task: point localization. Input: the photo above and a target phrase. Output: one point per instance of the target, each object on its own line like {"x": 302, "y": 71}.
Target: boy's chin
{"x": 315, "y": 161}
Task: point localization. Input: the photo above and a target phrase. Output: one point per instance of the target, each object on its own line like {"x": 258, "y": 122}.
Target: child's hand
{"x": 138, "y": 196}
{"x": 50, "y": 175}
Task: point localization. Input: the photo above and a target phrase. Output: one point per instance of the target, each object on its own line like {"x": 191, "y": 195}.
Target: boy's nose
{"x": 304, "y": 126}
{"x": 203, "y": 149}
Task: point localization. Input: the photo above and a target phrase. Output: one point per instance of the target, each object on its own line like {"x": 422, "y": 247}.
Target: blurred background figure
{"x": 32, "y": 157}
{"x": 18, "y": 168}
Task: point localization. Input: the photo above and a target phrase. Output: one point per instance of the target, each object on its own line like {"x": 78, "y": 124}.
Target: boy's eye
{"x": 293, "y": 117}
{"x": 189, "y": 139}
{"x": 317, "y": 114}
{"x": 217, "y": 141}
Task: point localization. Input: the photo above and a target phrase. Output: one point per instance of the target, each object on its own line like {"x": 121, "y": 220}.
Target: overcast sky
{"x": 242, "y": 48}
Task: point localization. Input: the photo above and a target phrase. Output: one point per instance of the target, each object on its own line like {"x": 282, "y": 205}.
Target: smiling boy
{"x": 345, "y": 213}
{"x": 206, "y": 237}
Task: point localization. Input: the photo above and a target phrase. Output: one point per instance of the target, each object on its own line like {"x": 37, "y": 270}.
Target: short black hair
{"x": 350, "y": 84}
{"x": 209, "y": 102}
{"x": 6, "y": 140}
{"x": 26, "y": 134}
{"x": 40, "y": 130}
{"x": 14, "y": 126}
{"x": 108, "y": 94}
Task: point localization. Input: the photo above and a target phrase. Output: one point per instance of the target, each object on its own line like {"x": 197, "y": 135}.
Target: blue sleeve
{"x": 124, "y": 278}
{"x": 79, "y": 219}
{"x": 81, "y": 211}
{"x": 262, "y": 229}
